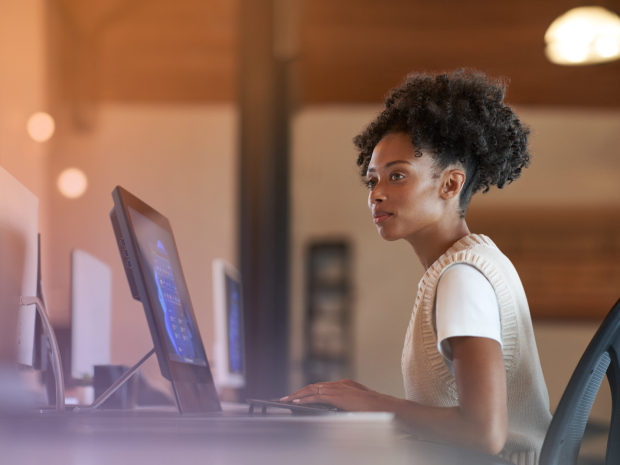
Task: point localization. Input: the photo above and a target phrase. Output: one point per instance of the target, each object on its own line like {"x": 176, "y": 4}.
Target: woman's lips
{"x": 380, "y": 217}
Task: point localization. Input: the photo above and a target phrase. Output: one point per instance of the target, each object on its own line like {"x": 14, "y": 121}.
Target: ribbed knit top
{"x": 428, "y": 379}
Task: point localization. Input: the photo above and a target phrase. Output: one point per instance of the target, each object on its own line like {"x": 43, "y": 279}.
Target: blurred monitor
{"x": 40, "y": 339}
{"x": 91, "y": 293}
{"x": 153, "y": 268}
{"x": 19, "y": 223}
{"x": 228, "y": 349}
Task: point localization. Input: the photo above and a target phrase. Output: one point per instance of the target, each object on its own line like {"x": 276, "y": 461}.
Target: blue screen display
{"x": 235, "y": 325}
{"x": 168, "y": 291}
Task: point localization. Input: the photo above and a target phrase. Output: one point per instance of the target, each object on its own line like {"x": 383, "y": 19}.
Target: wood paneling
{"x": 155, "y": 50}
{"x": 352, "y": 51}
{"x": 568, "y": 260}
{"x": 356, "y": 50}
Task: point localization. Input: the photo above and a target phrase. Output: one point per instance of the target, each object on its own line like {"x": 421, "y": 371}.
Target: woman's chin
{"x": 387, "y": 235}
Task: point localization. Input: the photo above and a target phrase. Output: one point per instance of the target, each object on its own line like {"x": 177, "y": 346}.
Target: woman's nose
{"x": 377, "y": 195}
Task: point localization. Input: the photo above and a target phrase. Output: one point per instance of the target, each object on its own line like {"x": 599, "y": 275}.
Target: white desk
{"x": 154, "y": 438}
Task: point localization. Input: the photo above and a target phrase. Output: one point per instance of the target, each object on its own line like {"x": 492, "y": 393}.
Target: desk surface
{"x": 158, "y": 438}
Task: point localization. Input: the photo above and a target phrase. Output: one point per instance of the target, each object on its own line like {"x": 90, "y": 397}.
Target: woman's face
{"x": 405, "y": 190}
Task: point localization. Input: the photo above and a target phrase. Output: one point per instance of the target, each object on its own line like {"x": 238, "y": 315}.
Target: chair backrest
{"x": 563, "y": 440}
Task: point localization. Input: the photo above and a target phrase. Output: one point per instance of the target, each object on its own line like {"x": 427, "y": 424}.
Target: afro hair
{"x": 459, "y": 118}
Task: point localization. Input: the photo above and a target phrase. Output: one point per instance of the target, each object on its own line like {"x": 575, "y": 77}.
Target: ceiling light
{"x": 72, "y": 183}
{"x": 583, "y": 36}
{"x": 40, "y": 126}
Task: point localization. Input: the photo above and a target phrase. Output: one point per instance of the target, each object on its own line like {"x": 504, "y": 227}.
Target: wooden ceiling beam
{"x": 354, "y": 51}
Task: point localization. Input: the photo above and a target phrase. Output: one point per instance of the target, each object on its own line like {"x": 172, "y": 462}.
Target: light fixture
{"x": 41, "y": 126}
{"x": 72, "y": 183}
{"x": 584, "y": 36}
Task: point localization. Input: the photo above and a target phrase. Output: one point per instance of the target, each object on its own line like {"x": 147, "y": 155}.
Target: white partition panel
{"x": 19, "y": 213}
{"x": 91, "y": 294}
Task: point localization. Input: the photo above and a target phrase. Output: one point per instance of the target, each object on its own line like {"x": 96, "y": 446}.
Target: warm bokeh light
{"x": 72, "y": 183}
{"x": 584, "y": 35}
{"x": 607, "y": 46}
{"x": 41, "y": 126}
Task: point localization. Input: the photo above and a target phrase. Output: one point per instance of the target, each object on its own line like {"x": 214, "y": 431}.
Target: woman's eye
{"x": 371, "y": 183}
{"x": 396, "y": 176}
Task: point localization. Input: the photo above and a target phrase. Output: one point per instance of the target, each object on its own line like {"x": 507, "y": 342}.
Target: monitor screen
{"x": 163, "y": 271}
{"x": 235, "y": 335}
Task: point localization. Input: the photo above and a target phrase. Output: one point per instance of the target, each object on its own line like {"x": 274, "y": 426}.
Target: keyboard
{"x": 311, "y": 409}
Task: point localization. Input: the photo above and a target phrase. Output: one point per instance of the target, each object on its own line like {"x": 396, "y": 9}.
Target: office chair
{"x": 563, "y": 439}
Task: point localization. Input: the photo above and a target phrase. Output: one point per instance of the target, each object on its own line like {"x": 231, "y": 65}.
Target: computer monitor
{"x": 19, "y": 223}
{"x": 153, "y": 268}
{"x": 91, "y": 315}
{"x": 228, "y": 349}
{"x": 40, "y": 339}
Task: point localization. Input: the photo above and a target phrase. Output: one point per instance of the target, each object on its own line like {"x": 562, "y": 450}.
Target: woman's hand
{"x": 344, "y": 394}
{"x": 479, "y": 422}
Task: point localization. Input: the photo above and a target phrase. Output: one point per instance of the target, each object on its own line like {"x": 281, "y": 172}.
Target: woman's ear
{"x": 452, "y": 183}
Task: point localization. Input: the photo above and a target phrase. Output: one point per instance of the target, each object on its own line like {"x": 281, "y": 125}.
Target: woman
{"x": 470, "y": 364}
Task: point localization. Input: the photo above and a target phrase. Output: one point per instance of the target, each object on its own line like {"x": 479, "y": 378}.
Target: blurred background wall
{"x": 24, "y": 78}
{"x": 146, "y": 94}
{"x": 143, "y": 94}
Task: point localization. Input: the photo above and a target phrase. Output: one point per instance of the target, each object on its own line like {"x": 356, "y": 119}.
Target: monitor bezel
{"x": 193, "y": 385}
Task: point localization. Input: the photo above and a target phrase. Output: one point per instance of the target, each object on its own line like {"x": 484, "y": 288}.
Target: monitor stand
{"x": 117, "y": 384}
{"x": 56, "y": 363}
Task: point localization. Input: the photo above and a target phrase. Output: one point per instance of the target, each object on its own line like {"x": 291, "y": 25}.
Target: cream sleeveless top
{"x": 428, "y": 379}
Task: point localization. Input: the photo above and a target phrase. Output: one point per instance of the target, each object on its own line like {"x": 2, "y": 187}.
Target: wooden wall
{"x": 568, "y": 259}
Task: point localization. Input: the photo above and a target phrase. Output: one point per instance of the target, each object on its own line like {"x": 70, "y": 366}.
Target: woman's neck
{"x": 432, "y": 242}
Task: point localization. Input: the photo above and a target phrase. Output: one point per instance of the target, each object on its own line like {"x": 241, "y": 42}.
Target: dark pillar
{"x": 264, "y": 145}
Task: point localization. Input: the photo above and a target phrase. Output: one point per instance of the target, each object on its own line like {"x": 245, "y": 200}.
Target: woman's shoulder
{"x": 485, "y": 249}
{"x": 476, "y": 250}
{"x": 471, "y": 249}
{"x": 480, "y": 252}
{"x": 461, "y": 274}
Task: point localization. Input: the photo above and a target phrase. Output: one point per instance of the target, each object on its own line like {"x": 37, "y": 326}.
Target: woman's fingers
{"x": 340, "y": 395}
{"x": 317, "y": 399}
{"x": 313, "y": 389}
{"x": 310, "y": 390}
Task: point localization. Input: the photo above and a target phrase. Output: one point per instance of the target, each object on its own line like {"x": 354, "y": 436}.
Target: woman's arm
{"x": 479, "y": 423}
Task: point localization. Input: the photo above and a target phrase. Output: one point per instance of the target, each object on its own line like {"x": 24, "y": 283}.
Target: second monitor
{"x": 228, "y": 350}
